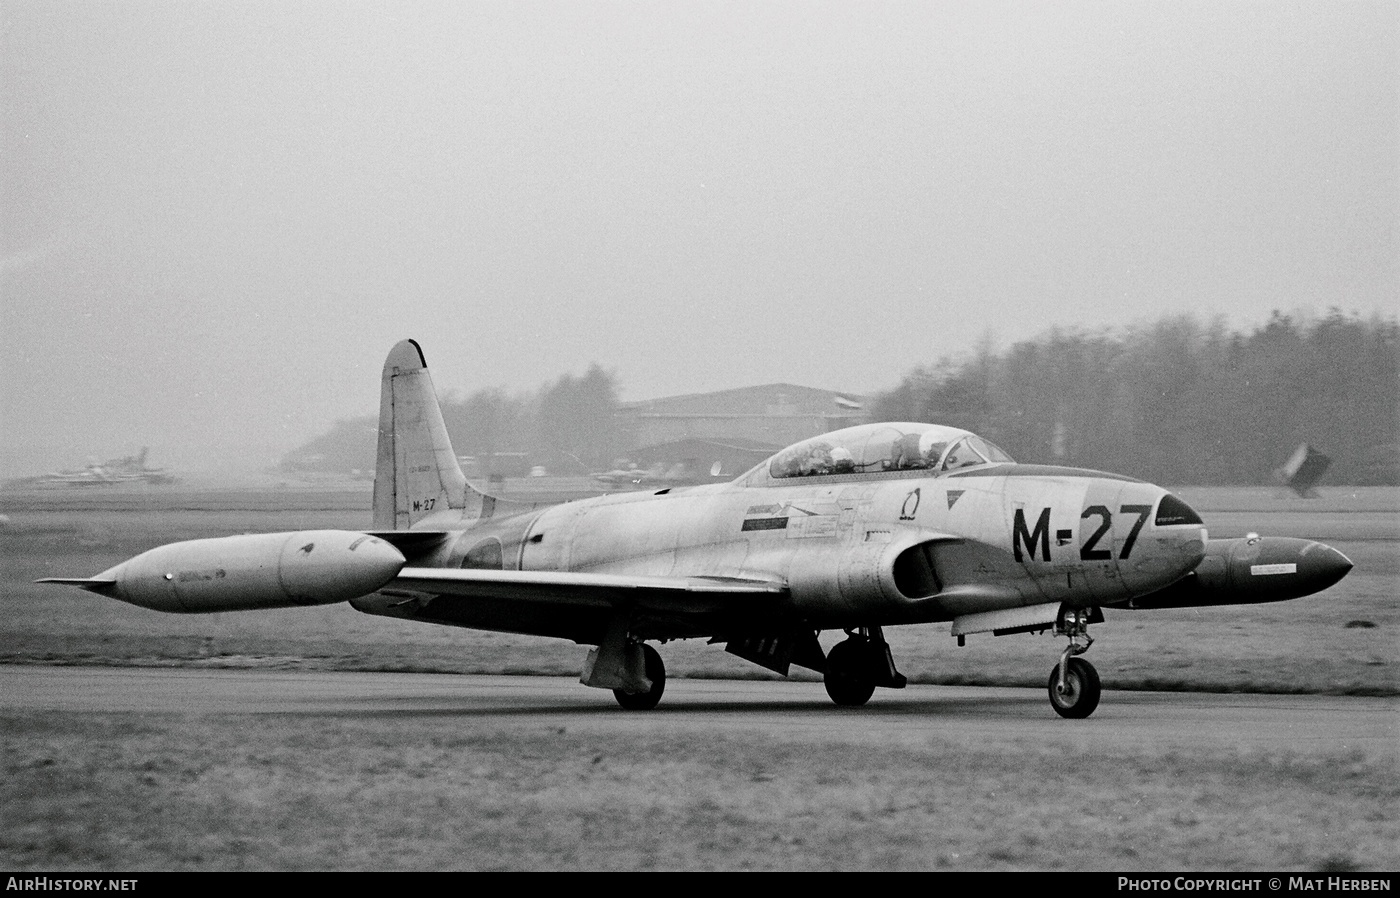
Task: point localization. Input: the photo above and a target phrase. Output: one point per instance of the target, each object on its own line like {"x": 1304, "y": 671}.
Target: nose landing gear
{"x": 1074, "y": 684}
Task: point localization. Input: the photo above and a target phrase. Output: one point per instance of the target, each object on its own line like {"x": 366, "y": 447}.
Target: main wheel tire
{"x": 848, "y": 676}
{"x": 656, "y": 672}
{"x": 1082, "y": 690}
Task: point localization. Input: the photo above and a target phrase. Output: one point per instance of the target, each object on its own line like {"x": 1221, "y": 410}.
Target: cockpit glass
{"x": 973, "y": 450}
{"x": 962, "y": 455}
{"x": 990, "y": 451}
{"x": 884, "y": 448}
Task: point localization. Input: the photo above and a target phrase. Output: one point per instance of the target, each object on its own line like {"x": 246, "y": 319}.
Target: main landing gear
{"x": 629, "y": 667}
{"x": 855, "y": 666}
{"x": 1074, "y": 684}
{"x": 656, "y": 673}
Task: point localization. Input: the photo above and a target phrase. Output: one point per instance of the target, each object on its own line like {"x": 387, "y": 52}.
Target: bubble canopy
{"x": 883, "y": 449}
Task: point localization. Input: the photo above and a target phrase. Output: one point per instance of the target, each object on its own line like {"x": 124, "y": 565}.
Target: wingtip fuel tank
{"x": 235, "y": 573}
{"x": 1253, "y": 569}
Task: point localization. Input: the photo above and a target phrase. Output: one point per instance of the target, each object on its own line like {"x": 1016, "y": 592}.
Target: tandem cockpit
{"x": 882, "y": 449}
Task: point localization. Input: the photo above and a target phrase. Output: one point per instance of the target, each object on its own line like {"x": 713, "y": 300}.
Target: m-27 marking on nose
{"x": 1026, "y": 540}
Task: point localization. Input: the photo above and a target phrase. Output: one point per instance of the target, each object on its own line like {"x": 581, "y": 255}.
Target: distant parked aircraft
{"x": 128, "y": 469}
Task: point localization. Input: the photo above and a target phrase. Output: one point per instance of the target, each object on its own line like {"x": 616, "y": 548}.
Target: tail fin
{"x": 416, "y": 473}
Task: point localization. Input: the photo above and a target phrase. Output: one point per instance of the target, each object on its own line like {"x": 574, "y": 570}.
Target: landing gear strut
{"x": 855, "y": 666}
{"x": 1074, "y": 684}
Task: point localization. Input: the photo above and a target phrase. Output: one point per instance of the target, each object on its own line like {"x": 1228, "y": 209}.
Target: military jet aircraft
{"x": 129, "y": 469}
{"x": 856, "y": 530}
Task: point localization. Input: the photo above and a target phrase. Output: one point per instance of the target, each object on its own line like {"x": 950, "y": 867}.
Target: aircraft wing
{"x": 671, "y": 594}
{"x": 578, "y": 606}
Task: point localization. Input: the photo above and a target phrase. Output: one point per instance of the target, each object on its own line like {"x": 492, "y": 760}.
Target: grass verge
{"x": 155, "y": 792}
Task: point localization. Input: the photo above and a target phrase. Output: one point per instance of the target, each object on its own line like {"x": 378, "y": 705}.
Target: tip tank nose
{"x": 1285, "y": 568}
{"x": 1322, "y": 566}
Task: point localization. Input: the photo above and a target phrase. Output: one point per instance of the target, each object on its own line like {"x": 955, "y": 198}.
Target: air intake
{"x": 914, "y": 574}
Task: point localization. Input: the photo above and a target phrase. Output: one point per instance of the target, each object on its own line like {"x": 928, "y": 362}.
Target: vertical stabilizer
{"x": 416, "y": 473}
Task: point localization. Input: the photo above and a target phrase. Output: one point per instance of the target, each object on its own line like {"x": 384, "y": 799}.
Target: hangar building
{"x": 759, "y": 419}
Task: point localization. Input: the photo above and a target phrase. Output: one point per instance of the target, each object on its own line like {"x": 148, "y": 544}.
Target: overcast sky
{"x": 216, "y": 218}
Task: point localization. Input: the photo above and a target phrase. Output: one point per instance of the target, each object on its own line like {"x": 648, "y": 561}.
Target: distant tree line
{"x": 1175, "y": 402}
{"x": 568, "y": 426}
{"x": 1179, "y": 402}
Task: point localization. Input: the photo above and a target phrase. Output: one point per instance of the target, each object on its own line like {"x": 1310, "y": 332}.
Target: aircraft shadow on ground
{"x": 414, "y": 706}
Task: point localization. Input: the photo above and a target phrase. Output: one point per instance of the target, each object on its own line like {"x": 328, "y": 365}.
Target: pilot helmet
{"x": 930, "y": 446}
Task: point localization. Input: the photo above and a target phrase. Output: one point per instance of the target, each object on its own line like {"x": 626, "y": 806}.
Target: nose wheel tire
{"x": 656, "y": 672}
{"x": 848, "y": 678}
{"x": 1080, "y": 694}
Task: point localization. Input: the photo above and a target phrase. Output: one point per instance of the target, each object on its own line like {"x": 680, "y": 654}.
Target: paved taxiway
{"x": 1304, "y": 724}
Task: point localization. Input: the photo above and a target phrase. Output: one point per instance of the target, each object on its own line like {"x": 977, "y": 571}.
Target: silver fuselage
{"x": 865, "y": 549}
